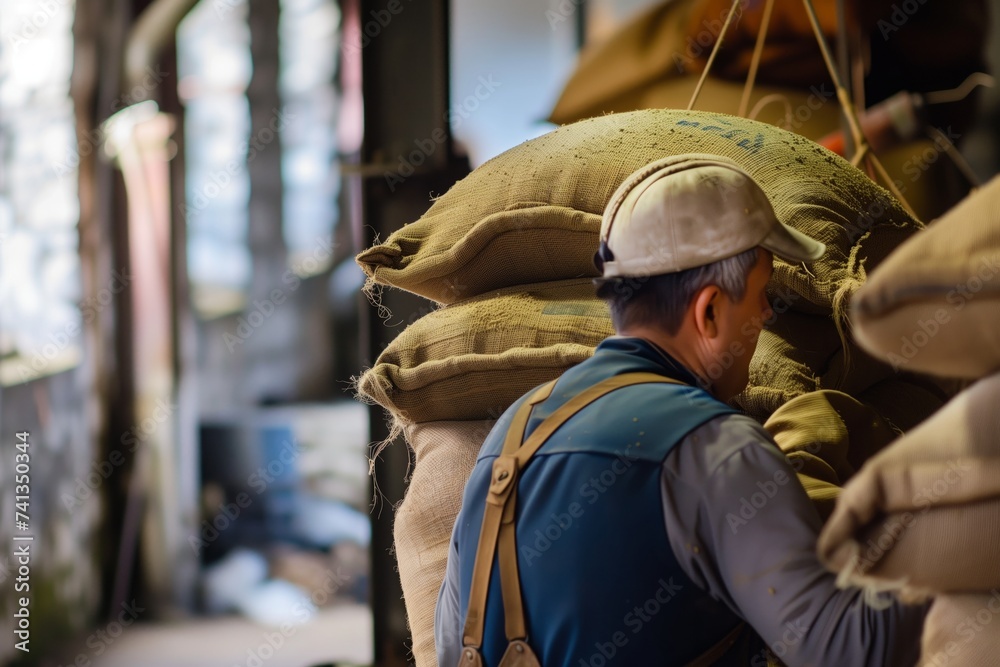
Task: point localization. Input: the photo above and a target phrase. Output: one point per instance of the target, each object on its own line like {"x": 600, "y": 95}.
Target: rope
{"x": 875, "y": 162}
{"x": 849, "y": 112}
{"x": 711, "y": 58}
{"x": 767, "y": 99}
{"x": 859, "y": 156}
{"x": 758, "y": 49}
{"x": 957, "y": 158}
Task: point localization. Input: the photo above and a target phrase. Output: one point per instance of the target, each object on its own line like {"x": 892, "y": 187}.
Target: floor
{"x": 332, "y": 465}
{"x": 340, "y": 635}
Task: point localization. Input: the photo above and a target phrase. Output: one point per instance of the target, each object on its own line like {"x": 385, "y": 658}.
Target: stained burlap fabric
{"x": 962, "y": 631}
{"x": 532, "y": 214}
{"x": 471, "y": 360}
{"x": 934, "y": 305}
{"x": 924, "y": 514}
{"x": 445, "y": 455}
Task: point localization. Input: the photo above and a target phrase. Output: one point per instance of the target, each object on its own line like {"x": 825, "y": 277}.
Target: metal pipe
{"x": 153, "y": 30}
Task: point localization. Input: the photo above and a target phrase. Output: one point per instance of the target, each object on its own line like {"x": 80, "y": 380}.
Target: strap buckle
{"x": 504, "y": 476}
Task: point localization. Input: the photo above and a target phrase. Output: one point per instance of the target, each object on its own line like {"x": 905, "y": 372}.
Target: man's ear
{"x": 706, "y": 311}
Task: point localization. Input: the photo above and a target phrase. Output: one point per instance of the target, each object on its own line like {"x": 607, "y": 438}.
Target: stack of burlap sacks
{"x": 508, "y": 255}
{"x": 923, "y": 516}
{"x": 655, "y": 60}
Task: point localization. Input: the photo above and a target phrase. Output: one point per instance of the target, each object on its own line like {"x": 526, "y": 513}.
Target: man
{"x": 623, "y": 551}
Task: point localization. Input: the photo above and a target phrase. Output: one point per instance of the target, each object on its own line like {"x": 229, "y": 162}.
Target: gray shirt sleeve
{"x": 744, "y": 530}
{"x": 447, "y": 616}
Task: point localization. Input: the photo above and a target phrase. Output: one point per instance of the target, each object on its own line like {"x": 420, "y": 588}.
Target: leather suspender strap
{"x": 482, "y": 569}
{"x": 498, "y": 518}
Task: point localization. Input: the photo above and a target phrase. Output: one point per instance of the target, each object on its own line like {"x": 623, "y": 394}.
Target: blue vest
{"x": 600, "y": 583}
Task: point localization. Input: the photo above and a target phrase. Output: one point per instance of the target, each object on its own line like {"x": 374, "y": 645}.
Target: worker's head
{"x": 686, "y": 252}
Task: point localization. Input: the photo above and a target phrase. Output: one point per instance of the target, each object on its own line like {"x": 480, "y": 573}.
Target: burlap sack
{"x": 798, "y": 354}
{"x": 826, "y": 436}
{"x": 471, "y": 360}
{"x": 924, "y": 514}
{"x": 647, "y": 64}
{"x": 532, "y": 214}
{"x": 934, "y": 305}
{"x": 927, "y": 46}
{"x": 608, "y": 77}
{"x": 445, "y": 455}
{"x": 790, "y": 55}
{"x": 962, "y": 631}
{"x": 673, "y": 40}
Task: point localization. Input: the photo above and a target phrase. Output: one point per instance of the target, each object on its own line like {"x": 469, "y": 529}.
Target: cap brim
{"x": 792, "y": 245}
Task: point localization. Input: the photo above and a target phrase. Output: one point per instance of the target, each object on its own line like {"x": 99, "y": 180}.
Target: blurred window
{"x": 40, "y": 309}
{"x": 214, "y": 60}
{"x": 309, "y": 34}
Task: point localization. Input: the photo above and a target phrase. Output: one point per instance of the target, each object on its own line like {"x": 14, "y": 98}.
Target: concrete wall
{"x": 64, "y": 510}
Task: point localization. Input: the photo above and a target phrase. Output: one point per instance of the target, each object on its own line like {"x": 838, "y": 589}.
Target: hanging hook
{"x": 965, "y": 89}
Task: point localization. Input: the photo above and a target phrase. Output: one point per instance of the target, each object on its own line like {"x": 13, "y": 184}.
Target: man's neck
{"x": 676, "y": 348}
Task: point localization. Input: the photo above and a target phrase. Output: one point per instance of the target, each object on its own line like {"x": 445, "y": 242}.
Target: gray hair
{"x": 663, "y": 299}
